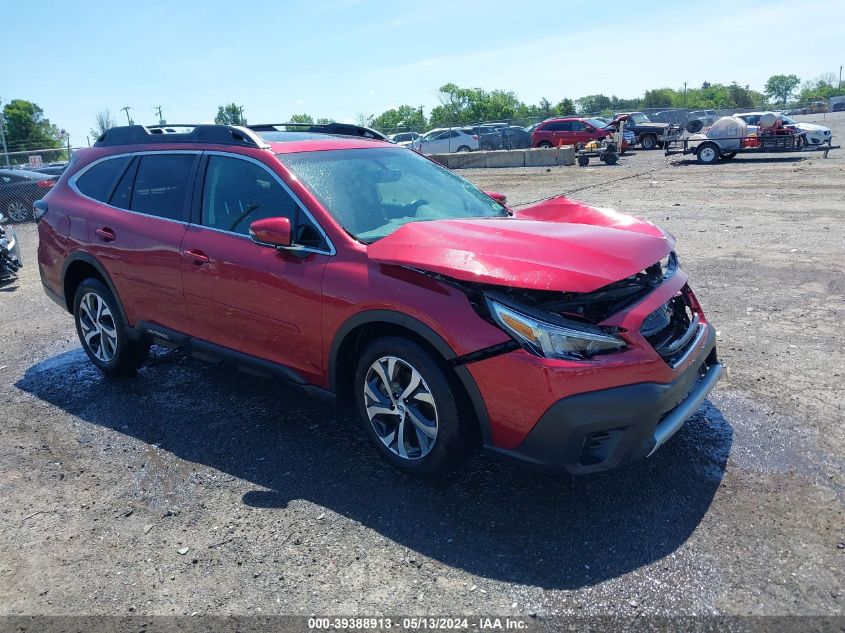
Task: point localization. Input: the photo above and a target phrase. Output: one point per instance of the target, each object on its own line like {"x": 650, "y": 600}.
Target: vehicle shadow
{"x": 740, "y": 160}
{"x": 491, "y": 519}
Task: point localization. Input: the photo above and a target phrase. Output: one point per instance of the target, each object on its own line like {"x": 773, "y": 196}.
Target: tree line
{"x": 26, "y": 127}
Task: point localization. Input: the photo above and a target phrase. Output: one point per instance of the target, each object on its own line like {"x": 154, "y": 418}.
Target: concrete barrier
{"x": 508, "y": 158}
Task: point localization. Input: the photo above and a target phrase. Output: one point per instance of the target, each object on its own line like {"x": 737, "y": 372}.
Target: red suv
{"x": 568, "y": 131}
{"x": 561, "y": 334}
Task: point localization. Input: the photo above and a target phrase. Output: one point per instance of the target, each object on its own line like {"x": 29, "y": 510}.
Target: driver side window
{"x": 238, "y": 192}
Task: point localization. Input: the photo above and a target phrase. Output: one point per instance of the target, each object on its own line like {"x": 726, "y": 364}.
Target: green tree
{"x": 403, "y": 117}
{"x": 564, "y": 107}
{"x": 301, "y": 118}
{"x": 659, "y": 98}
{"x": 544, "y": 109}
{"x": 27, "y": 128}
{"x": 593, "y": 104}
{"x": 822, "y": 87}
{"x": 230, "y": 114}
{"x": 780, "y": 87}
{"x": 323, "y": 121}
{"x": 104, "y": 122}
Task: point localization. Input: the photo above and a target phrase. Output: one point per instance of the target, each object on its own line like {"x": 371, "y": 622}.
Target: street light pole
{"x": 126, "y": 110}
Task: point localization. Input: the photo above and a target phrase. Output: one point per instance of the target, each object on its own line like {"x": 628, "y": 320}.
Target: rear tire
{"x": 544, "y": 145}
{"x": 102, "y": 331}
{"x": 464, "y": 148}
{"x": 610, "y": 158}
{"x": 648, "y": 141}
{"x": 414, "y": 419}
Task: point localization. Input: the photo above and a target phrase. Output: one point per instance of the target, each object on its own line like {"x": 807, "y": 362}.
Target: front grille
{"x": 671, "y": 329}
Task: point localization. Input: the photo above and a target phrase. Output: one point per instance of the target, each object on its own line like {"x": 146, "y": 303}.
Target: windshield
{"x": 639, "y": 117}
{"x": 597, "y": 123}
{"x": 372, "y": 192}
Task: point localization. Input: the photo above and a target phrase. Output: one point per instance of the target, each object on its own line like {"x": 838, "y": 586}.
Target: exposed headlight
{"x": 572, "y": 341}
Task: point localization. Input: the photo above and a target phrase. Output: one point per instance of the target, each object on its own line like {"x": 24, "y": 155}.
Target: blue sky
{"x": 339, "y": 58}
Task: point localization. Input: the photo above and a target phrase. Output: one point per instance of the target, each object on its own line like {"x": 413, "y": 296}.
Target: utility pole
{"x": 161, "y": 120}
{"x": 3, "y": 136}
{"x": 685, "y": 95}
{"x": 840, "y": 76}
{"x": 126, "y": 110}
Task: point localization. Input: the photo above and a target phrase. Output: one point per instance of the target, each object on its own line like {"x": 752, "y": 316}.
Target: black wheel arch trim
{"x": 83, "y": 256}
{"x": 430, "y": 336}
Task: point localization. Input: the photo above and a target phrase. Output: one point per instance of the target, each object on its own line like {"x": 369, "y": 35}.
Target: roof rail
{"x": 193, "y": 133}
{"x": 339, "y": 129}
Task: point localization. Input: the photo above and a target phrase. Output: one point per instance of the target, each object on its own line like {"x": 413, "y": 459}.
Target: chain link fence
{"x": 26, "y": 176}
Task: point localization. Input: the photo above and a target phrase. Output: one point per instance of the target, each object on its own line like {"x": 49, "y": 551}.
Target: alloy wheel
{"x": 400, "y": 407}
{"x": 99, "y": 332}
{"x": 17, "y": 212}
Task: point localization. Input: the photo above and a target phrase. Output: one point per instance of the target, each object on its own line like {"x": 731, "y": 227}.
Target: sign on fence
{"x": 36, "y": 161}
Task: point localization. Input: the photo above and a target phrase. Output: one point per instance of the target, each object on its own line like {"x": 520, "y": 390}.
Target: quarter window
{"x": 98, "y": 181}
{"x": 162, "y": 184}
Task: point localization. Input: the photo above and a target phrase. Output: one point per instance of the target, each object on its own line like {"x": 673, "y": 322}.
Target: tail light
{"x": 45, "y": 184}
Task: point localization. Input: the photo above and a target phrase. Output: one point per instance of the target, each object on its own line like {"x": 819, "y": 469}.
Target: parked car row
{"x": 469, "y": 138}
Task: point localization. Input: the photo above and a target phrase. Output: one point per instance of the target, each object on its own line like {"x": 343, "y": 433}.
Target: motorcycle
{"x": 10, "y": 253}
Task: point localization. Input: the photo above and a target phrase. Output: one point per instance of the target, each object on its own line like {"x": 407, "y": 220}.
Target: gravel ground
{"x": 189, "y": 489}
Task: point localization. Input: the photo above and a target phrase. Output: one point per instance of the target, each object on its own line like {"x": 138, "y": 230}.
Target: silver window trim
{"x": 72, "y": 184}
{"x": 72, "y": 180}
{"x": 304, "y": 249}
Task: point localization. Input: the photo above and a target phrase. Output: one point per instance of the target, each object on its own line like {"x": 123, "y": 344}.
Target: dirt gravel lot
{"x": 190, "y": 489}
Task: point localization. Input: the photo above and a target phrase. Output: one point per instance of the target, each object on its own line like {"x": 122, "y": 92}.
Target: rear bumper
{"x": 600, "y": 430}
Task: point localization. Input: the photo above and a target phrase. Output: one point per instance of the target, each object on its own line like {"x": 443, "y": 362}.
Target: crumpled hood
{"x": 555, "y": 245}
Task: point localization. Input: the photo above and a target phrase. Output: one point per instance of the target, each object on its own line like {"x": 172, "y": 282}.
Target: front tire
{"x": 648, "y": 142}
{"x": 102, "y": 331}
{"x": 544, "y": 145}
{"x": 410, "y": 410}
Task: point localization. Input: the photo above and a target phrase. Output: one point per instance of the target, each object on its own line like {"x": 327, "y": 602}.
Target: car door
{"x": 244, "y": 296}
{"x": 137, "y": 226}
{"x": 561, "y": 133}
{"x": 578, "y": 133}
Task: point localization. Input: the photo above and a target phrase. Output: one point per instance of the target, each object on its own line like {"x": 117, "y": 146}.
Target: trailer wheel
{"x": 583, "y": 161}
{"x": 610, "y": 158}
{"x": 708, "y": 153}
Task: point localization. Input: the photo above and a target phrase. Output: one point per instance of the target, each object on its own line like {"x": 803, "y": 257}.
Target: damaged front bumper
{"x": 603, "y": 429}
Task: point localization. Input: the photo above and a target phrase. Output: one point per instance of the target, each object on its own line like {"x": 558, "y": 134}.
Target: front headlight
{"x": 572, "y": 341}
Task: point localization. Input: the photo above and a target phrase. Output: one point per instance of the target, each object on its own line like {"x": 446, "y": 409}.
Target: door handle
{"x": 198, "y": 257}
{"x": 106, "y": 234}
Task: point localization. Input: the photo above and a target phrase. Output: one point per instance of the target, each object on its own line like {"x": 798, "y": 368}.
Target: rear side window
{"x": 98, "y": 181}
{"x": 162, "y": 184}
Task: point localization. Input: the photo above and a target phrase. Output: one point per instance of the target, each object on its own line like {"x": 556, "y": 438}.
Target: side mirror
{"x": 271, "y": 232}
{"x": 498, "y": 197}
